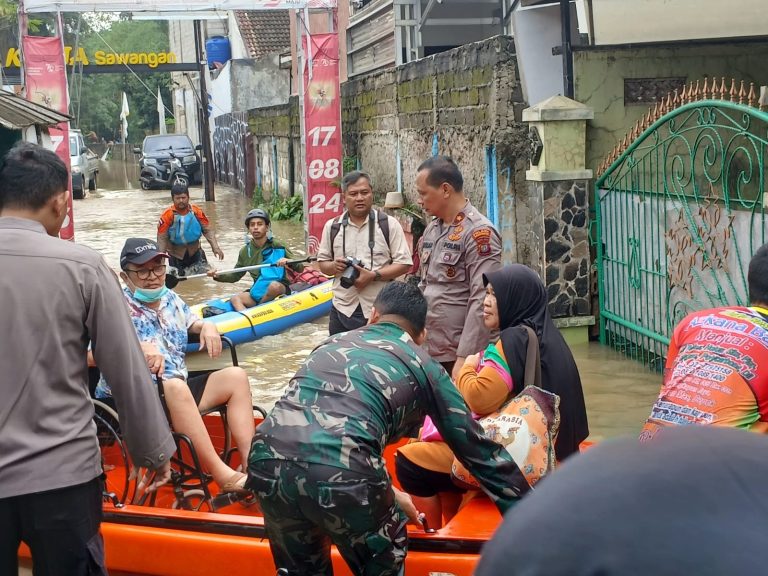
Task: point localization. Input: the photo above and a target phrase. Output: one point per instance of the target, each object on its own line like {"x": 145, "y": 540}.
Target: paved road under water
{"x": 619, "y": 391}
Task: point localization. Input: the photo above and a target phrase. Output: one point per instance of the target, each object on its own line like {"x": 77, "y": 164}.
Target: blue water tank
{"x": 218, "y": 50}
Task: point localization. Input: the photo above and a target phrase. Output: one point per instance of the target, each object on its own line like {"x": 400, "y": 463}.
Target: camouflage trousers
{"x": 309, "y": 506}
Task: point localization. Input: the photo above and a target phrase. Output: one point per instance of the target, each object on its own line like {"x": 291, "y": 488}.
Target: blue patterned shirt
{"x": 165, "y": 327}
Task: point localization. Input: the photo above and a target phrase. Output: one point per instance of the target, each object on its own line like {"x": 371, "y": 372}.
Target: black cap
{"x": 139, "y": 251}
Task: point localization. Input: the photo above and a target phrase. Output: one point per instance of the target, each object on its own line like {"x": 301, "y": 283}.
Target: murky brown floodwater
{"x": 619, "y": 391}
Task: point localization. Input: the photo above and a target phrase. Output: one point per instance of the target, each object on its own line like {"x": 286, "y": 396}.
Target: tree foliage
{"x": 97, "y": 99}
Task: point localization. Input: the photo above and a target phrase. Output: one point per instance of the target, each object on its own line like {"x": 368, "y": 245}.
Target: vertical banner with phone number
{"x": 46, "y": 83}
{"x": 322, "y": 125}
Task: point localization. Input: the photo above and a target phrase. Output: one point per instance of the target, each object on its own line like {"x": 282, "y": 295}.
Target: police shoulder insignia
{"x": 482, "y": 237}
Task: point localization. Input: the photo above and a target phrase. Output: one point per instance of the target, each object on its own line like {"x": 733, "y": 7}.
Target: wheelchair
{"x": 115, "y": 461}
{"x": 190, "y": 484}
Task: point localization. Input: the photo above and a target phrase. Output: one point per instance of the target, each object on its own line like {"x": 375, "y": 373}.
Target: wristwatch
{"x": 377, "y": 276}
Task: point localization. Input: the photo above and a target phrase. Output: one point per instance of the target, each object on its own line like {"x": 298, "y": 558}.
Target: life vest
{"x": 269, "y": 274}
{"x": 185, "y": 229}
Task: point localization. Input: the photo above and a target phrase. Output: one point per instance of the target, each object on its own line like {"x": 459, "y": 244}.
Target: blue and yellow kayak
{"x": 269, "y": 318}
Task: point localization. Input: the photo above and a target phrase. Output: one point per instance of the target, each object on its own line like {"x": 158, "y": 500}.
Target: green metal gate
{"x": 679, "y": 214}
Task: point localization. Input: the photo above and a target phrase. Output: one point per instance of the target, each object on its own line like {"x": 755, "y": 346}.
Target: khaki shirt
{"x": 57, "y": 297}
{"x": 352, "y": 241}
{"x": 453, "y": 260}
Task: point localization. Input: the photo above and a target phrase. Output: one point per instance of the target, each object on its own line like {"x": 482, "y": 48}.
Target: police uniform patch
{"x": 454, "y": 237}
{"x": 450, "y": 272}
{"x": 459, "y": 218}
{"x": 482, "y": 237}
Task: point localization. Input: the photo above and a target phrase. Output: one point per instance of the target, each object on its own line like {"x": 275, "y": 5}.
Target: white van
{"x": 84, "y": 165}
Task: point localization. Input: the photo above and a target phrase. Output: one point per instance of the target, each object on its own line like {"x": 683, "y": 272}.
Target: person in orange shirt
{"x": 179, "y": 231}
{"x": 715, "y": 371}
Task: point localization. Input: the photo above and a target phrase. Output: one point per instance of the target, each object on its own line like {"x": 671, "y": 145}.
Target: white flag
{"x": 160, "y": 112}
{"x": 124, "y": 113}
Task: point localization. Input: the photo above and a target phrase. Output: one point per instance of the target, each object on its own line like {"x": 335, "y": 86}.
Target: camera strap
{"x": 371, "y": 233}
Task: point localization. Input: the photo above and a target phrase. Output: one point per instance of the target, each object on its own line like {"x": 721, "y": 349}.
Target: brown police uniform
{"x": 454, "y": 258}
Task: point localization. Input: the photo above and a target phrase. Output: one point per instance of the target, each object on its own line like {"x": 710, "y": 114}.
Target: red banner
{"x": 46, "y": 84}
{"x": 322, "y": 126}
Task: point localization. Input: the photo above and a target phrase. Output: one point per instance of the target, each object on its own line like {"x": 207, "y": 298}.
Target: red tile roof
{"x": 264, "y": 31}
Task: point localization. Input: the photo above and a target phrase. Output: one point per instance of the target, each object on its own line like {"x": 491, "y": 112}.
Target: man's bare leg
{"x": 186, "y": 420}
{"x": 242, "y": 301}
{"x": 230, "y": 386}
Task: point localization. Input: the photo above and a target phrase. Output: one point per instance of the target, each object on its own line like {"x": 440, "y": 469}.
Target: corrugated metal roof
{"x": 17, "y": 113}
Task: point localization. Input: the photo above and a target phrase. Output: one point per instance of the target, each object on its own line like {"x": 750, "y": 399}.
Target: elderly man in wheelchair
{"x": 164, "y": 323}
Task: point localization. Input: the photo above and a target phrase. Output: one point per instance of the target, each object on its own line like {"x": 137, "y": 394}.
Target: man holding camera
{"x": 363, "y": 248}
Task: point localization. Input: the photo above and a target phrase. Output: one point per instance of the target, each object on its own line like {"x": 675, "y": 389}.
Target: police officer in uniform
{"x": 457, "y": 248}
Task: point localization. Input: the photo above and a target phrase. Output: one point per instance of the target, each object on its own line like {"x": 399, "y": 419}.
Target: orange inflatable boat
{"x": 163, "y": 541}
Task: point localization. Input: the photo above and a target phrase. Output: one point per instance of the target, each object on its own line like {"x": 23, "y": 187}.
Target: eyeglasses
{"x": 143, "y": 273}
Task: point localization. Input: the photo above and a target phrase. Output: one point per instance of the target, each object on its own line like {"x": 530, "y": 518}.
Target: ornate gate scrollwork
{"x": 680, "y": 209}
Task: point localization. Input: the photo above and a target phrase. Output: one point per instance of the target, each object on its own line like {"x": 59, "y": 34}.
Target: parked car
{"x": 84, "y": 165}
{"x": 158, "y": 155}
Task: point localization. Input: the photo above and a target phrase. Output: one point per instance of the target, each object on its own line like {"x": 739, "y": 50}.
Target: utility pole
{"x": 205, "y": 130}
{"x": 565, "y": 21}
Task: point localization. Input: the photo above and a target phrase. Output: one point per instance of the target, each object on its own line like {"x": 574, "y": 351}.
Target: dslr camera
{"x": 350, "y": 273}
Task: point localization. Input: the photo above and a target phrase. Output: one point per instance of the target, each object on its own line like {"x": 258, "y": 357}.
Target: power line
{"x": 134, "y": 73}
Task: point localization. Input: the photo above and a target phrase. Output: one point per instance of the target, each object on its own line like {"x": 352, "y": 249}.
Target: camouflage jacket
{"x": 364, "y": 389}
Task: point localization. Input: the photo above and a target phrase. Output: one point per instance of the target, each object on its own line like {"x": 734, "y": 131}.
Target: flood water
{"x": 619, "y": 391}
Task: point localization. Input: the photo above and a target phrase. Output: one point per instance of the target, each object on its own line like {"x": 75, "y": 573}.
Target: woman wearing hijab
{"x": 515, "y": 298}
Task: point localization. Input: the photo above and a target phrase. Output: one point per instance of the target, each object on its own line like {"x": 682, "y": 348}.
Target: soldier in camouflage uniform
{"x": 316, "y": 461}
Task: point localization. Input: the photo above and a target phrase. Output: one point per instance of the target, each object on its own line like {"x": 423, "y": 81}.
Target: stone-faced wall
{"x": 469, "y": 98}
{"x": 566, "y": 244}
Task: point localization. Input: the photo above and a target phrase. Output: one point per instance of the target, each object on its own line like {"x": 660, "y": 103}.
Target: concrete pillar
{"x": 559, "y": 186}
